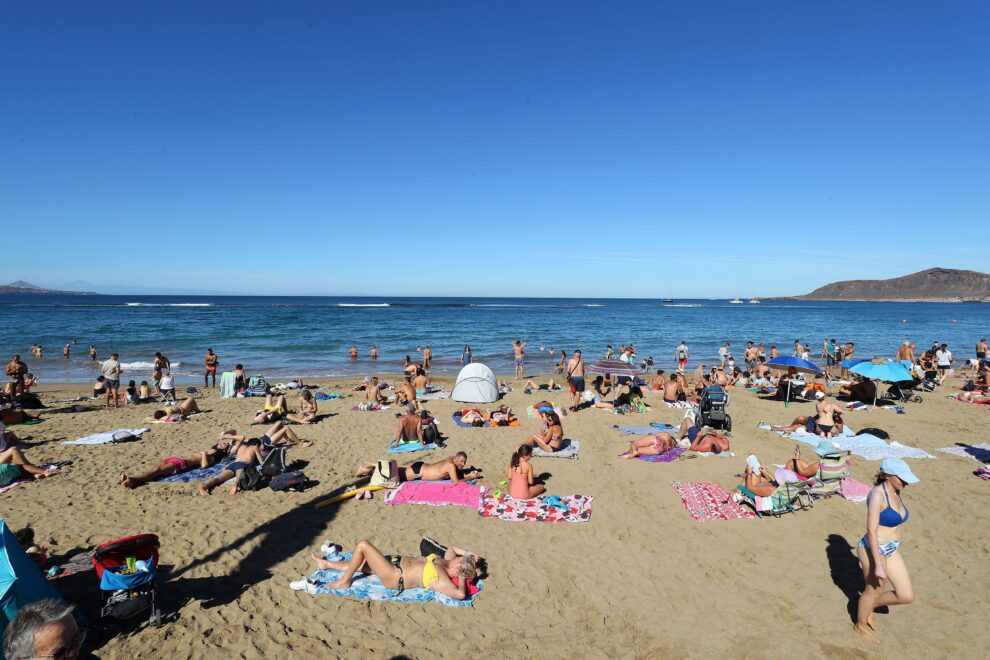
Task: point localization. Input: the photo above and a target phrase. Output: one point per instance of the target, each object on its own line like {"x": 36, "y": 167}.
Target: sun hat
{"x": 825, "y": 448}
{"x": 895, "y": 467}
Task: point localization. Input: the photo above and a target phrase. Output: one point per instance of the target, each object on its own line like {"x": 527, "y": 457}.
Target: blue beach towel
{"x": 643, "y": 430}
{"x": 324, "y": 396}
{"x": 407, "y": 447}
{"x": 370, "y": 587}
{"x": 199, "y": 474}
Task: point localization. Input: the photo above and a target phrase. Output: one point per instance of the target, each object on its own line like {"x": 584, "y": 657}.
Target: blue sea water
{"x": 284, "y": 337}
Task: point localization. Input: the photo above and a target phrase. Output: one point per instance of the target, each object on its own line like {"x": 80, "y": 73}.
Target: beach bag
{"x": 386, "y": 473}
{"x": 429, "y": 547}
{"x": 294, "y": 480}
{"x": 880, "y": 433}
{"x": 431, "y": 434}
{"x": 969, "y": 386}
{"x": 259, "y": 388}
{"x": 250, "y": 479}
{"x": 274, "y": 463}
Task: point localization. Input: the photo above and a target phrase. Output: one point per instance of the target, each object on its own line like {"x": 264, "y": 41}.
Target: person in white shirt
{"x": 111, "y": 372}
{"x": 723, "y": 353}
{"x": 943, "y": 360}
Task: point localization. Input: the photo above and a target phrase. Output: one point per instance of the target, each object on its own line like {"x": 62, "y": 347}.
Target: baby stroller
{"x": 127, "y": 569}
{"x": 711, "y": 408}
{"x": 904, "y": 391}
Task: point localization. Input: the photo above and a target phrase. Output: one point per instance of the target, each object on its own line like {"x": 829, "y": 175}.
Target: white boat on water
{"x": 735, "y": 301}
{"x": 666, "y": 300}
{"x": 754, "y": 301}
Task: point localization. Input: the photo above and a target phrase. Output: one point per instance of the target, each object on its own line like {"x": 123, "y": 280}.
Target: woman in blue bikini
{"x": 877, "y": 549}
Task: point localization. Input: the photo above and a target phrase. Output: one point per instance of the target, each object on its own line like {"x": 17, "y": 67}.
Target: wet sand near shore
{"x": 641, "y": 579}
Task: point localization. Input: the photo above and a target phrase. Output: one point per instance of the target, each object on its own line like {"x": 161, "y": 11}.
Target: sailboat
{"x": 754, "y": 301}
{"x": 735, "y": 301}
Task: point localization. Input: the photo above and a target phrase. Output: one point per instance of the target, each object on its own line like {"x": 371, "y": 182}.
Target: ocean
{"x": 308, "y": 337}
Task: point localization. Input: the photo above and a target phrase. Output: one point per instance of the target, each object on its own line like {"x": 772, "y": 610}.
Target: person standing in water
{"x": 92, "y": 352}
{"x": 373, "y": 353}
{"x": 519, "y": 349}
{"x": 427, "y": 356}
{"x": 878, "y": 549}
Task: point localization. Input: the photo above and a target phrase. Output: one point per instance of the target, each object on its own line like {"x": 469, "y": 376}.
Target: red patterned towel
{"x": 577, "y": 508}
{"x": 708, "y": 501}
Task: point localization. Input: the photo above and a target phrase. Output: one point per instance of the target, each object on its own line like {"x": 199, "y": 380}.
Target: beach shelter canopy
{"x": 613, "y": 367}
{"x": 21, "y": 582}
{"x": 890, "y": 371}
{"x": 475, "y": 384}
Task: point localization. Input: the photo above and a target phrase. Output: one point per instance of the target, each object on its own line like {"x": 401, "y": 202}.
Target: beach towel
{"x": 436, "y": 493}
{"x": 327, "y": 396}
{"x": 370, "y": 587}
{"x": 458, "y": 422}
{"x": 665, "y": 457}
{"x": 25, "y": 478}
{"x": 983, "y": 472}
{"x": 27, "y": 422}
{"x": 867, "y": 446}
{"x": 530, "y": 413}
{"x": 708, "y": 501}
{"x": 227, "y": 380}
{"x": 684, "y": 405}
{"x": 199, "y": 474}
{"x": 433, "y": 396}
{"x": 371, "y": 408}
{"x": 407, "y": 447}
{"x": 577, "y": 508}
{"x": 980, "y": 452}
{"x": 643, "y": 430}
{"x": 105, "y": 437}
{"x": 854, "y": 491}
{"x": 568, "y": 449}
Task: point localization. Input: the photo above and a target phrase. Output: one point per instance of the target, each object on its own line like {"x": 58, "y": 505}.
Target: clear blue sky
{"x": 498, "y": 148}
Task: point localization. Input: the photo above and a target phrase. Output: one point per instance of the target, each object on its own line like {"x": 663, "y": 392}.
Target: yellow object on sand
{"x": 348, "y": 495}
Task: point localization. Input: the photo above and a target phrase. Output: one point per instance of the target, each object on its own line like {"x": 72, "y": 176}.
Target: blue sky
{"x": 510, "y": 148}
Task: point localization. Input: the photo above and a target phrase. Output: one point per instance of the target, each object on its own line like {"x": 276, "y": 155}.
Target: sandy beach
{"x": 641, "y": 579}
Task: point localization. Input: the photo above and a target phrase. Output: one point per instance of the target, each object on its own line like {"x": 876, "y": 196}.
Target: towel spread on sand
{"x": 26, "y": 478}
{"x": 577, "y": 508}
{"x": 652, "y": 429}
{"x": 530, "y": 413}
{"x": 568, "y": 449}
{"x": 708, "y": 501}
{"x": 371, "y": 408}
{"x": 199, "y": 474}
{"x": 104, "y": 438}
{"x": 433, "y": 396}
{"x": 983, "y": 472}
{"x": 980, "y": 452}
{"x": 436, "y": 493}
{"x": 370, "y": 587}
{"x": 665, "y": 457}
{"x": 867, "y": 446}
{"x": 854, "y": 491}
{"x": 327, "y": 396}
{"x": 408, "y": 447}
{"x": 488, "y": 423}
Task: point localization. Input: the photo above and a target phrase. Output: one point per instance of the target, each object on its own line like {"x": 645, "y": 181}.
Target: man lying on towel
{"x": 449, "y": 468}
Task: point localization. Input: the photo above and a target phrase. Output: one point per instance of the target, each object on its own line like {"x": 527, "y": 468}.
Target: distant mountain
{"x": 932, "y": 285}
{"x": 20, "y": 287}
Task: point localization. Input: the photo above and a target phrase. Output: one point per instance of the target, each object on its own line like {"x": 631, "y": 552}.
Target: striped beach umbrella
{"x": 614, "y": 367}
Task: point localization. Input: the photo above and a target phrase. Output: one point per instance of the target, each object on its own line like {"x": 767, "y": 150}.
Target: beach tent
{"x": 21, "y": 582}
{"x": 475, "y": 384}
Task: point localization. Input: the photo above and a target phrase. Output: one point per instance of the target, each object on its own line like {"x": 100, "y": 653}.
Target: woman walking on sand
{"x": 878, "y": 549}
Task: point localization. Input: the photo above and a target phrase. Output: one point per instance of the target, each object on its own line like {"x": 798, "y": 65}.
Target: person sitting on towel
{"x": 177, "y": 464}
{"x": 410, "y": 427}
{"x": 552, "y": 435}
{"x": 400, "y": 573}
{"x": 451, "y": 468}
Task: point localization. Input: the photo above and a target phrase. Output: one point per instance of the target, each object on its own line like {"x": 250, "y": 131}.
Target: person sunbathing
{"x": 400, "y": 573}
{"x": 451, "y": 468}
{"x": 552, "y": 435}
{"x": 522, "y": 484}
{"x": 275, "y": 408}
{"x": 756, "y": 478}
{"x": 974, "y": 397}
{"x": 809, "y": 424}
{"x": 421, "y": 382}
{"x": 530, "y": 386}
{"x": 410, "y": 427}
{"x": 246, "y": 454}
{"x": 277, "y": 435}
{"x": 650, "y": 445}
{"x": 501, "y": 416}
{"x": 175, "y": 413}
{"x": 177, "y": 465}
{"x": 864, "y": 391}
{"x": 824, "y": 419}
{"x": 13, "y": 464}
{"x": 11, "y": 416}
{"x": 307, "y": 409}
{"x": 473, "y": 417}
{"x": 710, "y": 440}
{"x": 373, "y": 392}
{"x": 810, "y": 469}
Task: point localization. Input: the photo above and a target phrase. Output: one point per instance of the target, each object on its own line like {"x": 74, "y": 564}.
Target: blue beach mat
{"x": 408, "y": 447}
{"x": 199, "y": 474}
{"x": 652, "y": 429}
{"x": 370, "y": 587}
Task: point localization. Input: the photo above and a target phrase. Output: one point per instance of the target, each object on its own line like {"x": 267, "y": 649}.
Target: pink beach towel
{"x": 577, "y": 508}
{"x": 707, "y": 501}
{"x": 854, "y": 491}
{"x": 436, "y": 493}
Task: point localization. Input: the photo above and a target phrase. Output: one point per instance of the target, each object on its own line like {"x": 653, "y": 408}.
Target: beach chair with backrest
{"x": 789, "y": 497}
{"x": 832, "y": 469}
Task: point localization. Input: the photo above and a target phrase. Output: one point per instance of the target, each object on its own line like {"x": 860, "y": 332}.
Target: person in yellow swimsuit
{"x": 400, "y": 573}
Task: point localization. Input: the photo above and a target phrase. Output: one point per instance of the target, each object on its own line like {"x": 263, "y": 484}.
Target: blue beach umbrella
{"x": 796, "y": 363}
{"x": 881, "y": 369}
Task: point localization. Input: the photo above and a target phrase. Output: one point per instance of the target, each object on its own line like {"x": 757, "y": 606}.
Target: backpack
{"x": 250, "y": 479}
{"x": 260, "y": 387}
{"x": 274, "y": 463}
{"x": 880, "y": 433}
{"x": 386, "y": 473}
{"x": 431, "y": 434}
{"x": 295, "y": 480}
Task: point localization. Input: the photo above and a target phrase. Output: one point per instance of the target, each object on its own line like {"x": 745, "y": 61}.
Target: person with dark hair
{"x": 466, "y": 355}
{"x": 210, "y": 363}
{"x": 451, "y": 468}
{"x": 177, "y": 464}
{"x": 878, "y": 549}
{"x": 43, "y": 629}
{"x": 522, "y": 484}
{"x": 552, "y": 435}
{"x": 650, "y": 445}
{"x": 410, "y": 427}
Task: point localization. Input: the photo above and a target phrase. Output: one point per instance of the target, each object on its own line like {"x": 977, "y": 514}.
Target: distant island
{"x": 20, "y": 288}
{"x": 932, "y": 285}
